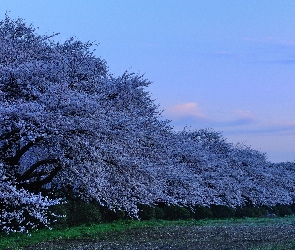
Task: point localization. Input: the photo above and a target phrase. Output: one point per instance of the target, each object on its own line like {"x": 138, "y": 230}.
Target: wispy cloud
{"x": 282, "y": 127}
{"x": 272, "y": 40}
{"x": 268, "y": 128}
{"x": 243, "y": 122}
{"x": 241, "y": 118}
{"x": 263, "y": 50}
{"x": 238, "y": 118}
{"x": 274, "y": 50}
{"x": 185, "y": 110}
{"x": 190, "y": 114}
{"x": 227, "y": 54}
{"x": 284, "y": 61}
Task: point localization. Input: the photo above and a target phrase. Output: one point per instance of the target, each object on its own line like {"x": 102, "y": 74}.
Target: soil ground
{"x": 246, "y": 236}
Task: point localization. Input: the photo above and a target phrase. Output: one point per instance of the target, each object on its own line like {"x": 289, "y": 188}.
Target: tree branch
{"x": 8, "y": 135}
{"x": 36, "y": 185}
{"x": 27, "y": 174}
{"x": 19, "y": 153}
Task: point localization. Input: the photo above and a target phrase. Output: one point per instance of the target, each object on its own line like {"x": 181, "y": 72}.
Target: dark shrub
{"x": 81, "y": 212}
{"x": 110, "y": 215}
{"x": 250, "y": 211}
{"x": 282, "y": 210}
{"x": 244, "y": 212}
{"x": 61, "y": 210}
{"x": 202, "y": 212}
{"x": 219, "y": 211}
{"x": 159, "y": 213}
{"x": 173, "y": 212}
{"x": 259, "y": 211}
{"x": 146, "y": 212}
{"x": 76, "y": 213}
{"x": 160, "y": 203}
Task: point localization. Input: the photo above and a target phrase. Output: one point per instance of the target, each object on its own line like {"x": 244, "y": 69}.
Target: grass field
{"x": 175, "y": 233}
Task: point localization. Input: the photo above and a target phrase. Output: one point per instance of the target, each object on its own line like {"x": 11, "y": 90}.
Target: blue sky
{"x": 226, "y": 65}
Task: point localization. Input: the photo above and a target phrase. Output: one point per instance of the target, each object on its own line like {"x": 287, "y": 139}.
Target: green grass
{"x": 17, "y": 240}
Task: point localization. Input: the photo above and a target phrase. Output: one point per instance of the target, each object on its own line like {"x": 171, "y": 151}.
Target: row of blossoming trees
{"x": 69, "y": 126}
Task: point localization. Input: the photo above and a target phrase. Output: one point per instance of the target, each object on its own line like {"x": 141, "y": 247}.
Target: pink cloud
{"x": 241, "y": 118}
{"x": 190, "y": 109}
{"x": 245, "y": 115}
{"x": 285, "y": 125}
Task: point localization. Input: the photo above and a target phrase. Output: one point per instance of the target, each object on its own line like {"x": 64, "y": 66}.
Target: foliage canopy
{"x": 69, "y": 128}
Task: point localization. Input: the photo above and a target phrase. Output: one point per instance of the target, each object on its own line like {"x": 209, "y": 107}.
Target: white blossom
{"x": 67, "y": 124}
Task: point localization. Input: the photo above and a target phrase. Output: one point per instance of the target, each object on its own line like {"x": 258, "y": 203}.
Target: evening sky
{"x": 227, "y": 65}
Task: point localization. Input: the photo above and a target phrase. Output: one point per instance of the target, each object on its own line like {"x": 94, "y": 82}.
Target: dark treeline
{"x": 79, "y": 212}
